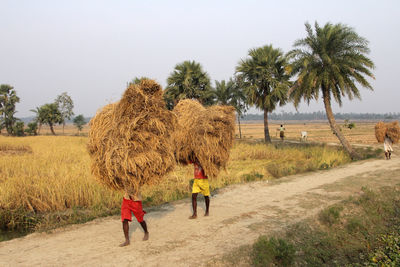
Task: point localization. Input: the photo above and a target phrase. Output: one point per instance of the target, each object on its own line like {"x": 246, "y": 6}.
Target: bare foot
{"x": 126, "y": 243}
{"x": 206, "y": 214}
{"x": 193, "y": 217}
{"x": 146, "y": 236}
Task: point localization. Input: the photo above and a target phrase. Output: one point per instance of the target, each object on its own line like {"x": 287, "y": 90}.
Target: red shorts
{"x": 129, "y": 206}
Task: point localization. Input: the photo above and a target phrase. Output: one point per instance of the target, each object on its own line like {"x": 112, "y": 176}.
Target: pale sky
{"x": 91, "y": 49}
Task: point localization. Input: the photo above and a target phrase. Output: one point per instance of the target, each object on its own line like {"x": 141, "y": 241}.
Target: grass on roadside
{"x": 362, "y": 231}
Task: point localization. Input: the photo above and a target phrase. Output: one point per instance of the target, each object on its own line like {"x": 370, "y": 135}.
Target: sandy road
{"x": 239, "y": 214}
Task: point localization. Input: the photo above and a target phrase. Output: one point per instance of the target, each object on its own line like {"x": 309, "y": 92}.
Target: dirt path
{"x": 239, "y": 214}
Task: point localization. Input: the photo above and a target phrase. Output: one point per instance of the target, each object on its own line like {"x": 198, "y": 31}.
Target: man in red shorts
{"x": 200, "y": 185}
{"x": 132, "y": 203}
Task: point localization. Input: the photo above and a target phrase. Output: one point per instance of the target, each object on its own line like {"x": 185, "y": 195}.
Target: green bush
{"x": 32, "y": 128}
{"x": 18, "y": 129}
{"x": 272, "y": 251}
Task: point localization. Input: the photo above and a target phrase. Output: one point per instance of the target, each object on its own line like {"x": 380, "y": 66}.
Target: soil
{"x": 238, "y": 215}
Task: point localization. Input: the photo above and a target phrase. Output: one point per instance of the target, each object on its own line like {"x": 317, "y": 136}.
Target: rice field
{"x": 45, "y": 181}
{"x": 363, "y": 133}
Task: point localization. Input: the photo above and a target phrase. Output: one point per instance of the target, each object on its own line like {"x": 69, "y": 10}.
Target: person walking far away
{"x": 282, "y": 132}
{"x": 200, "y": 185}
{"x": 387, "y": 147}
{"x": 132, "y": 203}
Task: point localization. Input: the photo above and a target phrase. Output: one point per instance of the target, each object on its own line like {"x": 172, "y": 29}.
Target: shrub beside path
{"x": 238, "y": 215}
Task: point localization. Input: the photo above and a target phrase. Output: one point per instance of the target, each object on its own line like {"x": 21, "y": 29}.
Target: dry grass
{"x": 363, "y": 133}
{"x": 56, "y": 177}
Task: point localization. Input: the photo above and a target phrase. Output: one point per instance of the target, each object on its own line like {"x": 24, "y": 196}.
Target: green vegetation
{"x": 8, "y": 101}
{"x": 330, "y": 61}
{"x": 362, "y": 231}
{"x": 65, "y": 106}
{"x": 48, "y": 114}
{"x": 188, "y": 81}
{"x": 265, "y": 79}
{"x": 79, "y": 121}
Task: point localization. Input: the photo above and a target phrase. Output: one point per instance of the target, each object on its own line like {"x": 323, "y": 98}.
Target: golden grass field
{"x": 45, "y": 180}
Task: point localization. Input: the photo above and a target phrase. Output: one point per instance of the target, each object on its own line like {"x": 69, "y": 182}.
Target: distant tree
{"x": 231, "y": 93}
{"x": 32, "y": 128}
{"x": 223, "y": 91}
{"x": 330, "y": 61}
{"x": 239, "y": 101}
{"x": 137, "y": 80}
{"x": 65, "y": 106}
{"x": 39, "y": 119}
{"x": 8, "y": 101}
{"x": 188, "y": 81}
{"x": 266, "y": 80}
{"x": 79, "y": 121}
{"x": 49, "y": 114}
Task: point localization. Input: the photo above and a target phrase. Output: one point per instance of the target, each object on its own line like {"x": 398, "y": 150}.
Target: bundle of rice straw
{"x": 392, "y": 130}
{"x": 205, "y": 134}
{"x": 130, "y": 141}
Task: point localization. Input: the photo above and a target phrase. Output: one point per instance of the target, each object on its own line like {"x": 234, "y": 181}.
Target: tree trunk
{"x": 267, "y": 138}
{"x": 335, "y": 128}
{"x": 240, "y": 130}
{"x": 63, "y": 127}
{"x": 52, "y": 129}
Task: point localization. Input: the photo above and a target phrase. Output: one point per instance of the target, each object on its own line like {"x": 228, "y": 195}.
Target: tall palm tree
{"x": 266, "y": 80}
{"x": 188, "y": 80}
{"x": 331, "y": 61}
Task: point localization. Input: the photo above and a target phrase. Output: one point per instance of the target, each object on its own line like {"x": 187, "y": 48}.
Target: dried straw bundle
{"x": 205, "y": 134}
{"x": 392, "y": 130}
{"x": 130, "y": 141}
{"x": 380, "y": 131}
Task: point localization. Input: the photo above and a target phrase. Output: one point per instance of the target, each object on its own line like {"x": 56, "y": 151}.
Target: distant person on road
{"x": 387, "y": 147}
{"x": 132, "y": 202}
{"x": 200, "y": 185}
{"x": 282, "y": 132}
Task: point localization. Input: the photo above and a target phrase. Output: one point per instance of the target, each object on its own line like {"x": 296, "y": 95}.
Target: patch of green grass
{"x": 330, "y": 215}
{"x": 268, "y": 252}
{"x": 361, "y": 231}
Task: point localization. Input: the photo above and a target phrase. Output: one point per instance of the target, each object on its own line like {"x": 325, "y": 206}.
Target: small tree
{"x": 49, "y": 114}
{"x": 8, "y": 100}
{"x": 232, "y": 93}
{"x": 18, "y": 128}
{"x": 32, "y": 128}
{"x": 65, "y": 106}
{"x": 79, "y": 121}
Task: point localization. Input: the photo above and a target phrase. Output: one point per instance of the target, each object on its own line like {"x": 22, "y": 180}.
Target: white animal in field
{"x": 303, "y": 136}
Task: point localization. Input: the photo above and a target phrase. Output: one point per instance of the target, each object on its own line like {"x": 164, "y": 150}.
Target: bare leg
{"x": 390, "y": 153}
{"x": 207, "y": 200}
{"x": 125, "y": 228}
{"x": 194, "y": 205}
{"x": 146, "y": 233}
{"x": 386, "y": 155}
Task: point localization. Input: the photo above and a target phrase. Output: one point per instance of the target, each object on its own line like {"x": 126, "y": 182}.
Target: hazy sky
{"x": 91, "y": 49}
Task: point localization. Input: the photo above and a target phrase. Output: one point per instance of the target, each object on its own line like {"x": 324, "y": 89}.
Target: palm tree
{"x": 188, "y": 80}
{"x": 231, "y": 93}
{"x": 330, "y": 61}
{"x": 266, "y": 80}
